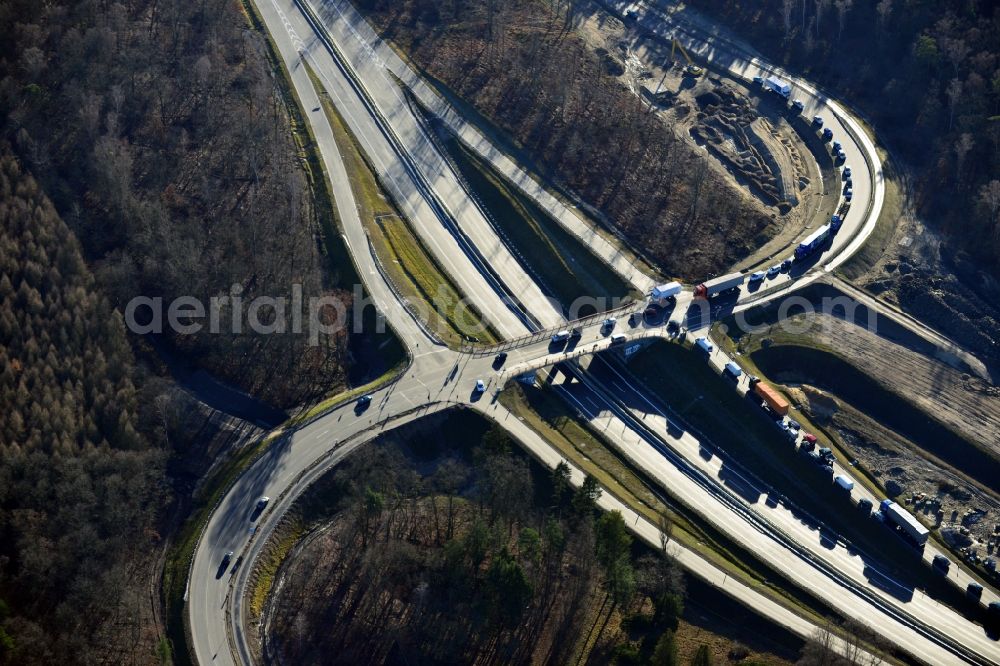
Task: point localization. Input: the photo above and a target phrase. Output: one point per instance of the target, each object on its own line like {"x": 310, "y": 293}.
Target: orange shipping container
{"x": 772, "y": 398}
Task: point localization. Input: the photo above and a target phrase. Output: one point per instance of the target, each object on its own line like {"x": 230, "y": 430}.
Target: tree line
{"x": 160, "y": 133}
{"x": 478, "y": 556}
{"x": 926, "y": 73}
{"x": 147, "y": 149}
{"x": 80, "y": 483}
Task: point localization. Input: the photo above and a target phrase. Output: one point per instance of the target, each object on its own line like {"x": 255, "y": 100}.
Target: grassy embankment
{"x": 288, "y": 534}
{"x": 411, "y": 268}
{"x": 789, "y": 352}
{"x": 537, "y": 172}
{"x": 560, "y": 263}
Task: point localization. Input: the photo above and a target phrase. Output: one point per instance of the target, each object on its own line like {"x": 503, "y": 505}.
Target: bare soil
{"x": 966, "y": 514}
{"x": 748, "y": 134}
{"x": 932, "y": 282}
{"x": 966, "y": 403}
{"x": 966, "y": 510}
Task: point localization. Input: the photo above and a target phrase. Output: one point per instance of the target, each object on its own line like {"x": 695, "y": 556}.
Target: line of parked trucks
{"x": 727, "y": 284}
{"x": 889, "y": 512}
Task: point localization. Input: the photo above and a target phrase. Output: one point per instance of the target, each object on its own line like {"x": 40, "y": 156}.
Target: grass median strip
{"x": 267, "y": 567}
{"x": 564, "y": 267}
{"x": 743, "y": 434}
{"x": 402, "y": 255}
{"x": 547, "y": 415}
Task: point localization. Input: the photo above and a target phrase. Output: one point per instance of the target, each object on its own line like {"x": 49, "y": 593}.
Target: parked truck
{"x": 905, "y": 521}
{"x": 772, "y": 398}
{"x": 780, "y": 86}
{"x": 664, "y": 293}
{"x": 718, "y": 285}
{"x": 814, "y": 241}
{"x": 844, "y": 483}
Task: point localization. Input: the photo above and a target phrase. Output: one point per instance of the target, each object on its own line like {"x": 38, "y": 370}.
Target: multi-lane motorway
{"x": 354, "y": 68}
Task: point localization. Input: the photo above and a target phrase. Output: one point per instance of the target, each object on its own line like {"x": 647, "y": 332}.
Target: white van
{"x": 704, "y": 345}
{"x": 617, "y": 338}
{"x": 844, "y": 482}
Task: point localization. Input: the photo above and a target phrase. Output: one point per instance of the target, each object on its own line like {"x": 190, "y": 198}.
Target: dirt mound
{"x": 724, "y": 125}
{"x": 708, "y": 99}
{"x": 946, "y": 304}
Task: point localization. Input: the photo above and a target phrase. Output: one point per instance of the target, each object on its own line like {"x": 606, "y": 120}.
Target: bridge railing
{"x": 539, "y": 335}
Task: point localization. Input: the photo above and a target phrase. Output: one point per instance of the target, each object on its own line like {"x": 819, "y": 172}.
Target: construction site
{"x": 753, "y": 137}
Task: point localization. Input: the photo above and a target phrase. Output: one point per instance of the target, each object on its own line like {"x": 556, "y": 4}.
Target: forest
{"x": 520, "y": 64}
{"x": 446, "y": 544}
{"x": 161, "y": 136}
{"x": 926, "y": 75}
{"x": 80, "y": 484}
{"x": 147, "y": 149}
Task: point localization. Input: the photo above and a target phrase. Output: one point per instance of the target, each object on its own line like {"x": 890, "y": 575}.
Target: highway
{"x": 461, "y": 239}
{"x": 405, "y": 158}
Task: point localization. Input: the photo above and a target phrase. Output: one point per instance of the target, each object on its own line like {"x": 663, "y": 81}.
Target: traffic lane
{"x": 229, "y": 528}
{"x": 286, "y": 500}
{"x": 594, "y": 339}
{"x": 717, "y": 359}
{"x": 707, "y": 504}
{"x": 387, "y": 163}
{"x": 814, "y": 101}
{"x": 930, "y": 613}
{"x": 288, "y": 42}
{"x": 385, "y": 93}
{"x": 565, "y": 215}
{"x": 706, "y": 455}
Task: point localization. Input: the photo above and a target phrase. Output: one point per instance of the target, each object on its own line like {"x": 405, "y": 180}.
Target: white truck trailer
{"x": 715, "y": 286}
{"x": 905, "y": 521}
{"x": 666, "y": 292}
{"x": 780, "y": 86}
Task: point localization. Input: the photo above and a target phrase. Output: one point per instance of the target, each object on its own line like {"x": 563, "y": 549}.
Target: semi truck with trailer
{"x": 844, "y": 483}
{"x": 719, "y": 285}
{"x": 905, "y": 521}
{"x": 771, "y": 398}
{"x": 813, "y": 242}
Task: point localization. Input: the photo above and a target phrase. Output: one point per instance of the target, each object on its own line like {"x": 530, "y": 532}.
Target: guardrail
{"x": 541, "y": 334}
{"x": 403, "y": 301}
{"x": 779, "y": 535}
{"x": 315, "y": 469}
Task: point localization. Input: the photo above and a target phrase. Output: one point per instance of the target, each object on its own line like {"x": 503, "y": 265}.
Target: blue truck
{"x": 810, "y": 244}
